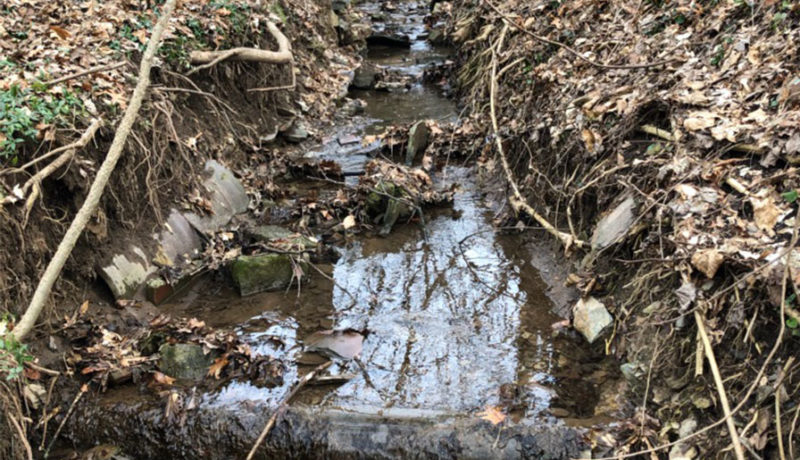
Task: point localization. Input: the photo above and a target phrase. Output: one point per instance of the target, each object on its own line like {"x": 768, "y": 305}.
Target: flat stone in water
{"x": 336, "y": 344}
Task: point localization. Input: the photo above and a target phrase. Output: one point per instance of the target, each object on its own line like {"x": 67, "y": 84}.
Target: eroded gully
{"x": 457, "y": 319}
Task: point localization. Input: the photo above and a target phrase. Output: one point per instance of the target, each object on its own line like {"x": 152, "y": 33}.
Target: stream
{"x": 455, "y": 316}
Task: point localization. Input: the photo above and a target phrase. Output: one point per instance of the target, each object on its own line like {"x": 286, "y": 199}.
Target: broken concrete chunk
{"x": 185, "y": 361}
{"x": 262, "y": 272}
{"x": 614, "y": 225}
{"x": 591, "y": 318}
{"x": 418, "y": 137}
{"x": 126, "y": 272}
{"x": 228, "y": 198}
{"x": 178, "y": 240}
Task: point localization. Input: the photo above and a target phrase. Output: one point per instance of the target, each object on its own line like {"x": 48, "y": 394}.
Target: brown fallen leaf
{"x": 493, "y": 414}
{"x": 707, "y": 261}
{"x": 163, "y": 379}
{"x": 765, "y": 213}
{"x": 60, "y": 31}
{"x": 84, "y": 308}
{"x": 216, "y": 368}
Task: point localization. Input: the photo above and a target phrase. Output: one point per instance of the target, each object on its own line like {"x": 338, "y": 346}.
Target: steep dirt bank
{"x": 48, "y": 99}
{"x": 664, "y": 138}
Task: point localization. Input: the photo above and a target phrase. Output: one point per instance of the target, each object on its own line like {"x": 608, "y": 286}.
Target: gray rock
{"x": 390, "y": 39}
{"x": 184, "y": 361}
{"x": 614, "y": 225}
{"x": 437, "y": 36}
{"x": 340, "y": 6}
{"x": 273, "y": 233}
{"x": 126, "y": 272}
{"x": 296, "y": 133}
{"x": 366, "y": 76}
{"x": 418, "y": 137}
{"x": 262, "y": 272}
{"x": 591, "y": 318}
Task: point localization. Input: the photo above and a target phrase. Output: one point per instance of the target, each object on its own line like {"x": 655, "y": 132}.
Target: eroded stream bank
{"x": 448, "y": 315}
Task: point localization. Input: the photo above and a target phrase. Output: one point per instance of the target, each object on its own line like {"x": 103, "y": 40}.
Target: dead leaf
{"x": 163, "y": 379}
{"x": 765, "y": 213}
{"x": 708, "y": 261}
{"x": 349, "y": 222}
{"x": 699, "y": 120}
{"x": 216, "y": 368}
{"x": 60, "y": 31}
{"x": 493, "y": 414}
{"x": 84, "y": 308}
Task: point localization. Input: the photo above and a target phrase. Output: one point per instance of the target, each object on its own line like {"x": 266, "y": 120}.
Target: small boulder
{"x": 262, "y": 272}
{"x": 185, "y": 361}
{"x": 437, "y": 36}
{"x": 614, "y": 225}
{"x": 390, "y": 39}
{"x": 366, "y": 76}
{"x": 275, "y": 233}
{"x": 591, "y": 318}
{"x": 296, "y": 133}
{"x": 418, "y": 137}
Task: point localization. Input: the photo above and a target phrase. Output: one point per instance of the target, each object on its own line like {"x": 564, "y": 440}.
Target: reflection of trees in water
{"x": 438, "y": 337}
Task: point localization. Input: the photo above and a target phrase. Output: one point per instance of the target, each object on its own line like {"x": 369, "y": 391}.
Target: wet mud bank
{"x": 458, "y": 330}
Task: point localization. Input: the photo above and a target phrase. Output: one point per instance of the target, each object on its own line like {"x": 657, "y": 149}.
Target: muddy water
{"x": 455, "y": 319}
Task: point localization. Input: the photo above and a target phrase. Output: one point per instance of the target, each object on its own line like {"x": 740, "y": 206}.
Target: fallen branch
{"x": 80, "y": 143}
{"x": 723, "y": 397}
{"x": 668, "y": 136}
{"x": 517, "y": 201}
{"x": 84, "y": 389}
{"x": 284, "y": 405}
{"x": 89, "y": 206}
{"x": 212, "y": 58}
{"x": 92, "y": 70}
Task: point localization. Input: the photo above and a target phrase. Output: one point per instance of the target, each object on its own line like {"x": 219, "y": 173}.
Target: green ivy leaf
{"x": 790, "y": 196}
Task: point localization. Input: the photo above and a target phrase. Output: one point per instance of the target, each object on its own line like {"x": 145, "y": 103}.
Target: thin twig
{"x": 101, "y": 68}
{"x": 276, "y": 88}
{"x": 284, "y": 405}
{"x": 22, "y": 438}
{"x": 723, "y": 397}
{"x": 83, "y": 390}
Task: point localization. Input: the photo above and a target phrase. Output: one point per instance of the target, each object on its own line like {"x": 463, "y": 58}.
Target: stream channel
{"x": 457, "y": 316}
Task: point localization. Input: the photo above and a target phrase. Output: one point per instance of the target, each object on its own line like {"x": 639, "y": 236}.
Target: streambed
{"x": 454, "y": 315}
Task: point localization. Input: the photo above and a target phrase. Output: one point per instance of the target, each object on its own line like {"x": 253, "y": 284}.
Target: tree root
{"x": 34, "y": 183}
{"x": 517, "y": 201}
{"x": 89, "y": 206}
{"x": 212, "y": 58}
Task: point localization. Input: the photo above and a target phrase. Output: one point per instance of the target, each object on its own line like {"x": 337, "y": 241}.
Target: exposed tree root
{"x": 212, "y": 58}
{"x": 89, "y": 206}
{"x": 517, "y": 201}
